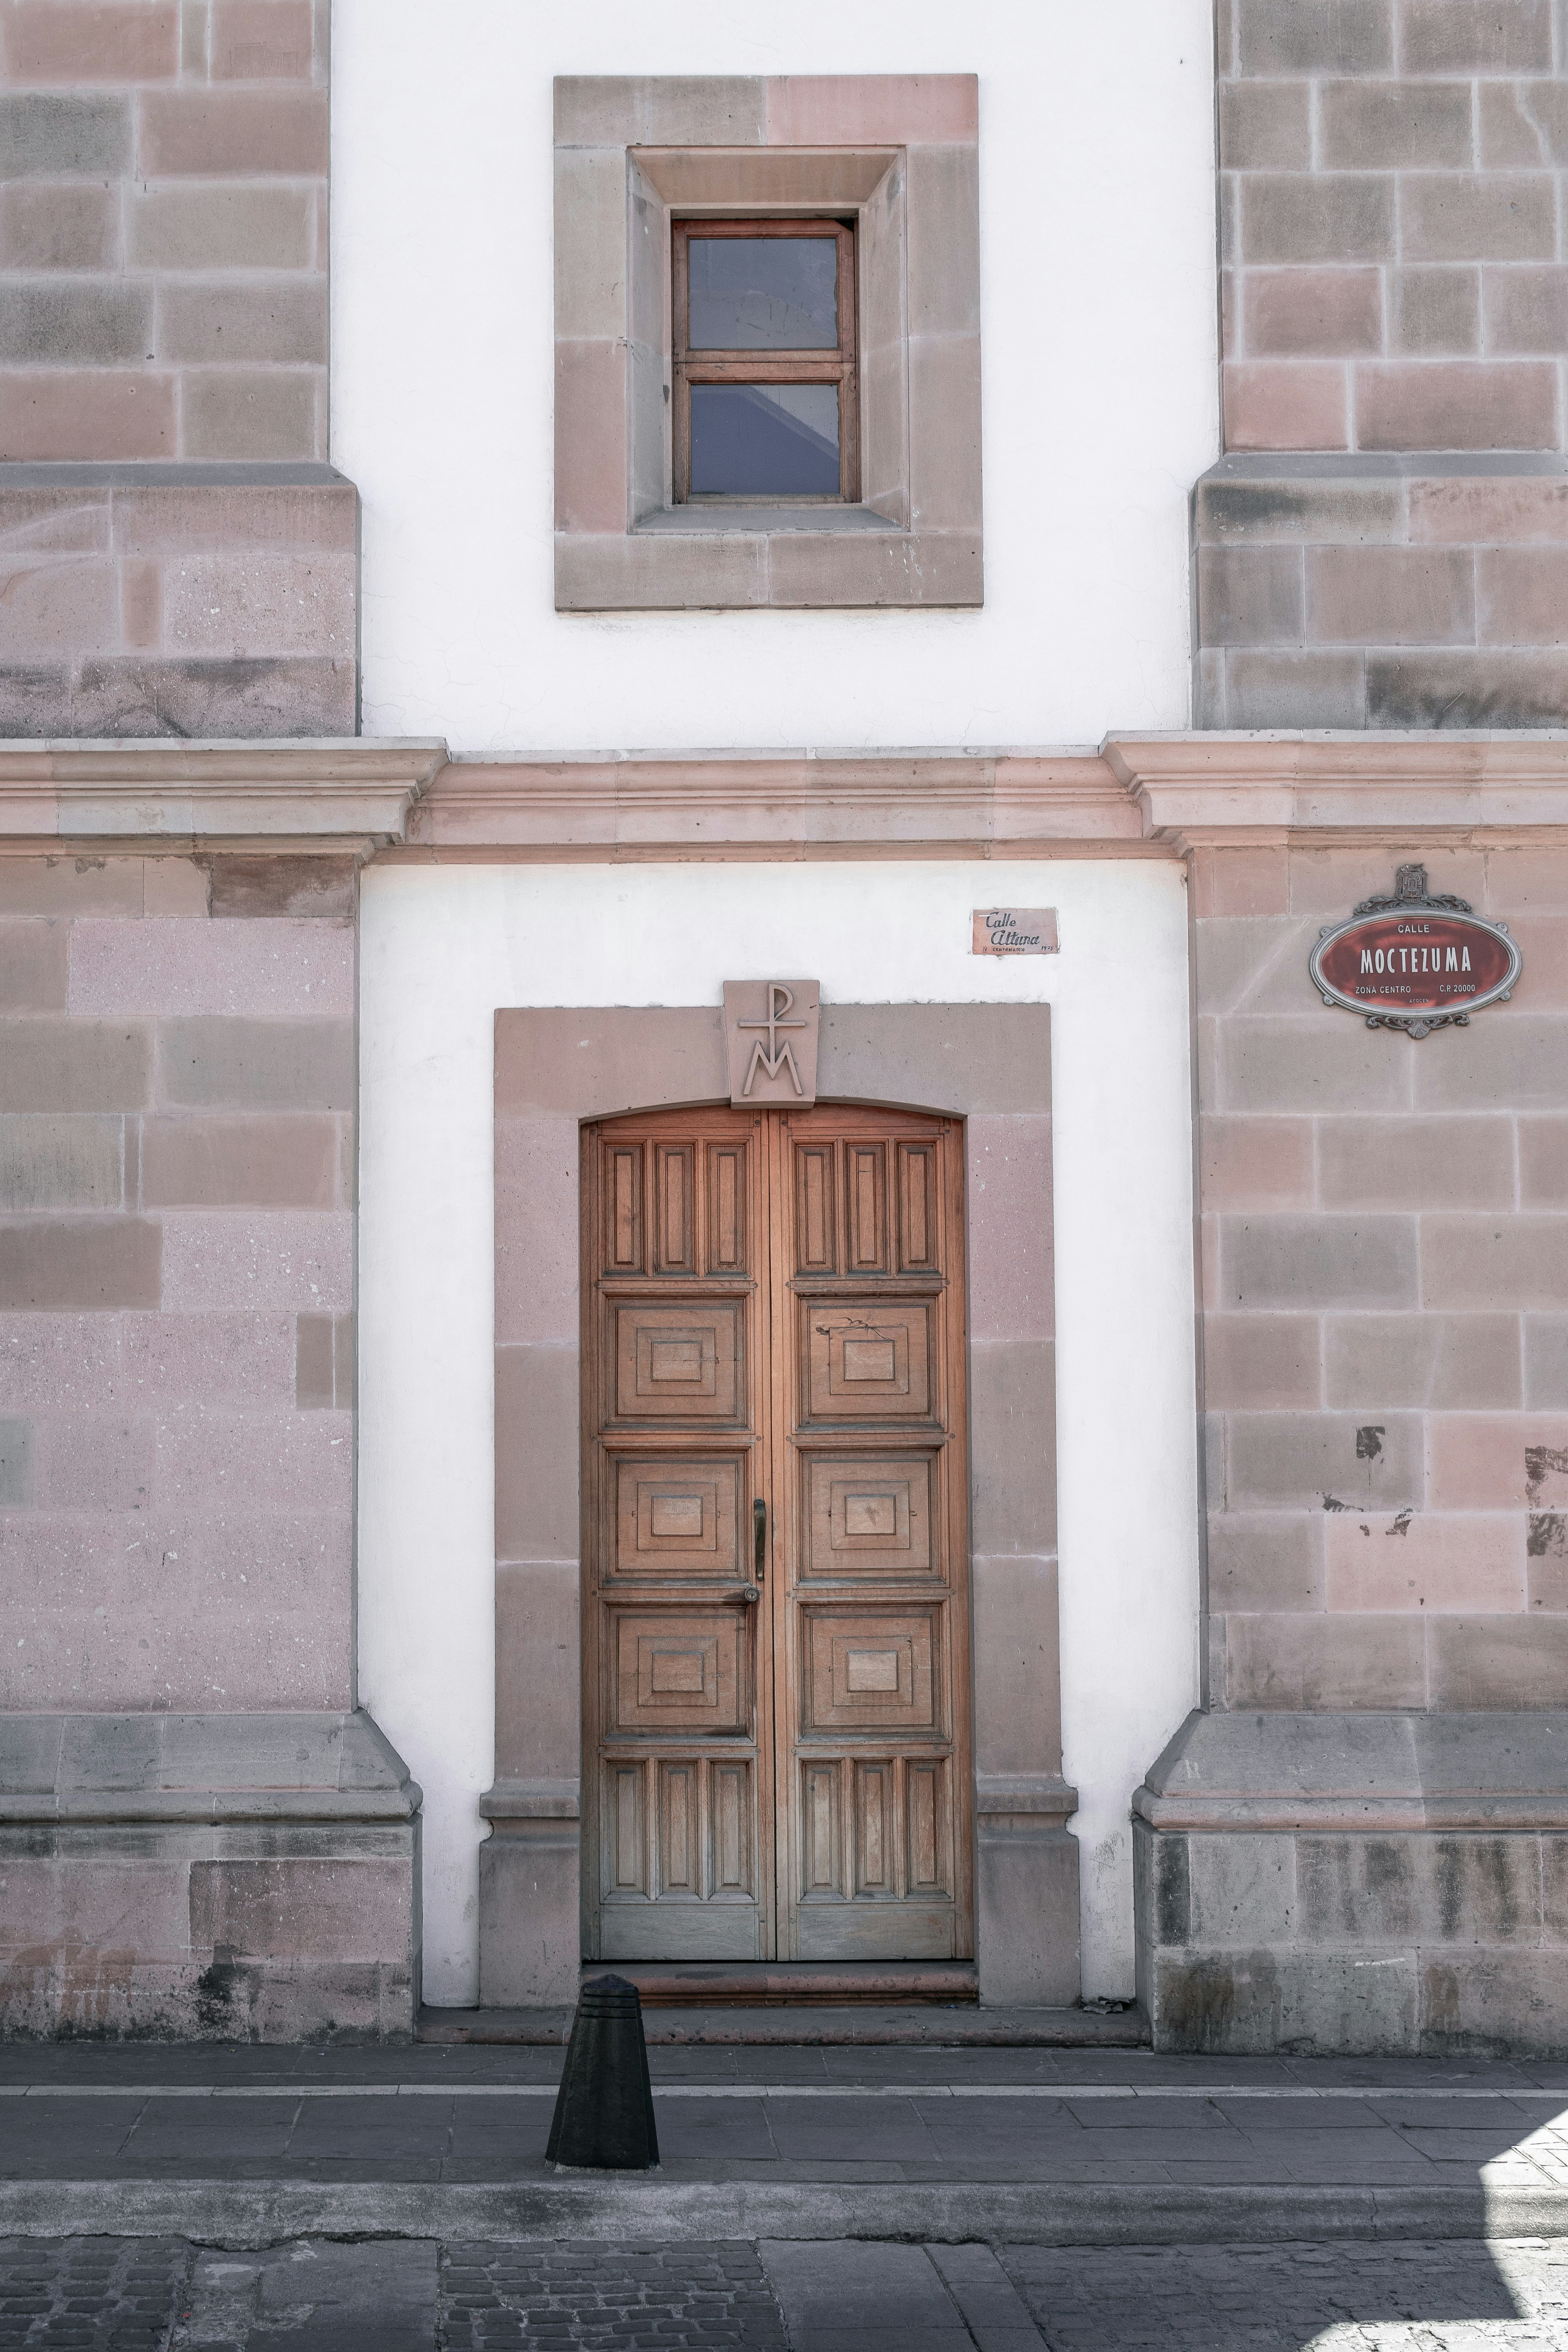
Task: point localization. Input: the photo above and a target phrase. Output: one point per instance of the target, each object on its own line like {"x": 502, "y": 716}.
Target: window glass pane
{"x": 764, "y": 293}
{"x": 764, "y": 440}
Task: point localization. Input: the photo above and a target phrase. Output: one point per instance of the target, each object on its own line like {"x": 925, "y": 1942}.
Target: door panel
{"x": 777, "y": 1321}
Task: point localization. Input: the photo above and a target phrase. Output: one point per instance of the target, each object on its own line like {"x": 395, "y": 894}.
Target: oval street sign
{"x": 1414, "y": 963}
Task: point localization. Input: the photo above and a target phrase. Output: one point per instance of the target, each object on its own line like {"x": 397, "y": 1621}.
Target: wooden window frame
{"x": 839, "y": 367}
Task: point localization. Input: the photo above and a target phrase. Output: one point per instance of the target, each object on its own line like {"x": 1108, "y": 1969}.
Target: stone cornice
{"x": 1203, "y": 790}
{"x": 727, "y": 805}
{"x": 349, "y": 792}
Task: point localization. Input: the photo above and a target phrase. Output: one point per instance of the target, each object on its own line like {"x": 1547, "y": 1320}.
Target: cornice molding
{"x": 351, "y": 793}
{"x": 1200, "y": 789}
{"x": 727, "y": 805}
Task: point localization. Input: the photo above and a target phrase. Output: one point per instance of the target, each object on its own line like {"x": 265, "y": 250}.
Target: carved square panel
{"x": 676, "y": 1518}
{"x": 869, "y": 1363}
{"x": 868, "y": 1515}
{"x": 677, "y": 1362}
{"x": 870, "y": 1670}
{"x": 682, "y": 1670}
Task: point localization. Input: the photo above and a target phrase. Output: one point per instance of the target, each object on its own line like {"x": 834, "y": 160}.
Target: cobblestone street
{"x": 123, "y": 2295}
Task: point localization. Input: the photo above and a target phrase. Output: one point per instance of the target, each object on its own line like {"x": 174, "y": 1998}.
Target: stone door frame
{"x": 558, "y": 1068}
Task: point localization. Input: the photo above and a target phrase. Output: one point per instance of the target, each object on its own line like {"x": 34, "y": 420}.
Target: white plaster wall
{"x": 1099, "y": 370}
{"x": 442, "y": 947}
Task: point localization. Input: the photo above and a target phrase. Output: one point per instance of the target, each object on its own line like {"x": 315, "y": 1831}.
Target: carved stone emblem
{"x": 770, "y": 1036}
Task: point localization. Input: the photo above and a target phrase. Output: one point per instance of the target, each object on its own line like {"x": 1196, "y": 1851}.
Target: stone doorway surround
{"x": 987, "y": 1064}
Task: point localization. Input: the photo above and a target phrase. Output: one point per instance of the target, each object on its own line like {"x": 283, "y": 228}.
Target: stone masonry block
{"x": 256, "y": 968}
{"x": 1299, "y": 216}
{"x": 263, "y": 40}
{"x": 1315, "y": 311}
{"x": 69, "y": 1160}
{"x": 260, "y": 318}
{"x": 1266, "y": 1560}
{"x": 1545, "y": 1362}
{"x": 1389, "y": 595}
{"x": 1311, "y": 1065}
{"x": 1454, "y": 689}
{"x": 1467, "y": 37}
{"x": 1328, "y": 1461}
{"x": 1285, "y": 404}
{"x": 221, "y": 227}
{"x": 1322, "y": 1661}
{"x": 1486, "y": 1264}
{"x": 1522, "y": 595}
{"x": 1515, "y": 1660}
{"x": 72, "y": 322}
{"x": 46, "y": 135}
{"x": 75, "y": 1066}
{"x": 1254, "y": 1163}
{"x": 1436, "y": 313}
{"x": 1013, "y": 1466}
{"x": 1261, "y": 1361}
{"x": 1265, "y": 126}
{"x": 538, "y": 1637}
{"x": 257, "y": 1259}
{"x": 1380, "y": 126}
{"x": 1513, "y": 1062}
{"x": 1261, "y": 2000}
{"x": 1297, "y": 1262}
{"x": 1236, "y": 508}
{"x": 1416, "y": 1163}
{"x": 56, "y": 225}
{"x": 1444, "y": 1362}
{"x": 1497, "y": 1461}
{"x": 1271, "y": 690}
{"x": 231, "y": 1163}
{"x": 536, "y": 1452}
{"x": 1389, "y": 1889}
{"x": 1296, "y": 37}
{"x": 1430, "y": 1561}
{"x": 1455, "y": 404}
{"x": 256, "y": 133}
{"x": 1017, "y": 1658}
{"x": 16, "y": 1465}
{"x": 1526, "y": 310}
{"x": 304, "y": 1910}
{"x": 86, "y": 1262}
{"x": 1241, "y": 1890}
{"x": 1250, "y": 595}
{"x": 32, "y": 967}
{"x": 210, "y": 1063}
{"x": 1477, "y": 217}
{"x": 114, "y": 42}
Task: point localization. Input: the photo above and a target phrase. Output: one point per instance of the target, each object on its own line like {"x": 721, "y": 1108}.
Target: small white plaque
{"x": 1015, "y": 930}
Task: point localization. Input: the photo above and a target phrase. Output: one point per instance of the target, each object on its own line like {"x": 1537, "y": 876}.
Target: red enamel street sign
{"x": 1415, "y": 962}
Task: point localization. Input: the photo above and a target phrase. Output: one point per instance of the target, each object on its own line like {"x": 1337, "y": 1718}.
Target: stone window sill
{"x": 702, "y": 518}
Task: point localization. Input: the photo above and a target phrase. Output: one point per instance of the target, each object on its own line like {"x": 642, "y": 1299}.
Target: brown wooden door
{"x": 775, "y": 1589}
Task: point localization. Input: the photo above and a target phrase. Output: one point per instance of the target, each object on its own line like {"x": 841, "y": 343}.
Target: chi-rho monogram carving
{"x": 770, "y": 1036}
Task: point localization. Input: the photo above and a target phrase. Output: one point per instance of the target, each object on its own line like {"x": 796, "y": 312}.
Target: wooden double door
{"x": 776, "y": 1589}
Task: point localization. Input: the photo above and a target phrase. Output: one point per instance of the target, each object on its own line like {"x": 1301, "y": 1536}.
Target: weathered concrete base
{"x": 214, "y": 1878}
{"x": 1377, "y": 1882}
{"x": 610, "y": 2207}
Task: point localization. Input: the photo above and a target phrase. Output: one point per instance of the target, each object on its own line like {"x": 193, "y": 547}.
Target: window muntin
{"x": 765, "y": 396}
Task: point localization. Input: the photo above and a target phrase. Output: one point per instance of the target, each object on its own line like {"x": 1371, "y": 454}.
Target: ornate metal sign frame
{"x": 1411, "y": 898}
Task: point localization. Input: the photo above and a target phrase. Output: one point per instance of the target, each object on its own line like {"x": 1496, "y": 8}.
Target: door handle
{"x": 760, "y": 1541}
{"x": 749, "y": 1593}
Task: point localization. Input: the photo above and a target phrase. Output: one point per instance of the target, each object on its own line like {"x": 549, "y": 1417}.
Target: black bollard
{"x": 603, "y": 2109}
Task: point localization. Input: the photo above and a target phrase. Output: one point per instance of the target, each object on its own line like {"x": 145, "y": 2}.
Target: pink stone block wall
{"x": 163, "y": 229}
{"x": 1392, "y": 179}
{"x": 176, "y": 1282}
{"x": 1385, "y": 1263}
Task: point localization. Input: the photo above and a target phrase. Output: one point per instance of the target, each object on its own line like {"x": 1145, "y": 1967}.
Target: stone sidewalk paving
{"x": 117, "y": 2294}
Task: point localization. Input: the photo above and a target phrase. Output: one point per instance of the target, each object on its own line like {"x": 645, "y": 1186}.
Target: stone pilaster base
{"x": 1373, "y": 1883}
{"x": 206, "y": 1877}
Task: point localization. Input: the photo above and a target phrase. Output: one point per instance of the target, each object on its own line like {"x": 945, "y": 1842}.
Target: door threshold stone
{"x": 816, "y": 2025}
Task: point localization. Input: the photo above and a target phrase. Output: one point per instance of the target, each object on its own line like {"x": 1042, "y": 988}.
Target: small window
{"x": 765, "y": 395}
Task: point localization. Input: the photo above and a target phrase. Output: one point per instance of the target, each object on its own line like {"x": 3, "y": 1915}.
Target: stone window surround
{"x": 901, "y": 154}
{"x": 557, "y": 1067}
